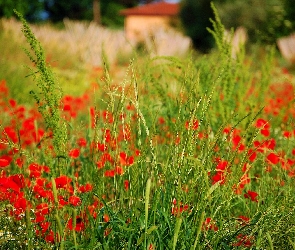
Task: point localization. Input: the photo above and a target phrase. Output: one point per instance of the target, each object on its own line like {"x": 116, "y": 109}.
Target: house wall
{"x": 136, "y": 27}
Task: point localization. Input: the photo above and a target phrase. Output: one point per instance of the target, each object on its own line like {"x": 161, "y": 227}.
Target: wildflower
{"x": 194, "y": 125}
{"x": 86, "y": 188}
{"x": 62, "y": 181}
{"x": 243, "y": 181}
{"x": 209, "y": 224}
{"x": 273, "y": 158}
{"x": 109, "y": 173}
{"x": 251, "y": 195}
{"x": 178, "y": 209}
{"x": 12, "y": 103}
{"x": 100, "y": 164}
{"x": 106, "y": 218}
{"x": 161, "y": 120}
{"x": 35, "y": 170}
{"x": 41, "y": 210}
{"x": 244, "y": 240}
{"x": 80, "y": 226}
{"x": 107, "y": 231}
{"x": 108, "y": 117}
{"x": 252, "y": 155}
{"x": 126, "y": 185}
{"x": 74, "y": 153}
{"x": 245, "y": 220}
{"x": 119, "y": 170}
{"x": 264, "y": 126}
{"x": 75, "y": 200}
{"x": 287, "y": 134}
{"x": 126, "y": 160}
{"x": 82, "y": 142}
{"x": 4, "y": 162}
{"x": 101, "y": 147}
{"x": 50, "y": 237}
{"x": 44, "y": 226}
{"x": 151, "y": 247}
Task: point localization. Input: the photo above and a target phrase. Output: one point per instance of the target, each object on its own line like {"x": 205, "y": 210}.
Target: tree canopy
{"x": 57, "y": 10}
{"x": 265, "y": 20}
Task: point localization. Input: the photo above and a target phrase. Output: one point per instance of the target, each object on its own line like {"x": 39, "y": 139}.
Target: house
{"x": 143, "y": 20}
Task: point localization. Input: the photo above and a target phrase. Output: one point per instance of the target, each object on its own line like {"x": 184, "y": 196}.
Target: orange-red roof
{"x": 153, "y": 9}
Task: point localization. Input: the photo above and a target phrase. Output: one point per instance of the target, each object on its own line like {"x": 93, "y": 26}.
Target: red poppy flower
{"x": 102, "y": 147}
{"x": 109, "y": 173}
{"x": 244, "y": 241}
{"x": 8, "y": 183}
{"x": 106, "y": 218}
{"x": 100, "y": 164}
{"x": 251, "y": 195}
{"x": 209, "y": 224}
{"x": 273, "y": 158}
{"x": 86, "y": 188}
{"x": 125, "y": 159}
{"x": 126, "y": 185}
{"x": 12, "y": 103}
{"x": 244, "y": 219}
{"x": 252, "y": 155}
{"x": 265, "y": 132}
{"x": 218, "y": 177}
{"x": 61, "y": 201}
{"x": 42, "y": 208}
{"x": 4, "y": 162}
{"x": 107, "y": 157}
{"x": 19, "y": 180}
{"x": 287, "y": 134}
{"x": 75, "y": 200}
{"x": 50, "y": 237}
{"x": 194, "y": 125}
{"x": 74, "y": 153}
{"x": 62, "y": 181}
{"x": 261, "y": 123}
{"x": 222, "y": 165}
{"x": 20, "y": 204}
{"x": 82, "y": 142}
{"x": 80, "y": 226}
{"x": 119, "y": 170}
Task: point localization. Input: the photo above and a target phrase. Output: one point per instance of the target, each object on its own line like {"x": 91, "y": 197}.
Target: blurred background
{"x": 81, "y": 35}
{"x": 265, "y": 20}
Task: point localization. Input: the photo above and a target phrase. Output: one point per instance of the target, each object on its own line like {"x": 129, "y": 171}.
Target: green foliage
{"x": 195, "y": 17}
{"x": 48, "y": 99}
{"x": 267, "y": 20}
{"x": 110, "y": 15}
{"x": 27, "y": 7}
{"x": 289, "y": 14}
{"x": 77, "y": 10}
{"x": 82, "y": 10}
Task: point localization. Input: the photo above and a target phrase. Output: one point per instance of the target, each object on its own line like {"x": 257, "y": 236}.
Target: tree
{"x": 289, "y": 7}
{"x": 195, "y": 17}
{"x": 96, "y": 11}
{"x": 265, "y": 20}
{"x": 74, "y": 9}
{"x": 29, "y": 8}
{"x": 104, "y": 12}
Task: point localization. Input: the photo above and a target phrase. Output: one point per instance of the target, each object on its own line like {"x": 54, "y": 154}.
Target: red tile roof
{"x": 153, "y": 9}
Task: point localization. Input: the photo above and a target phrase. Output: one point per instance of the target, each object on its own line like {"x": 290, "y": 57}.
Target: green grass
{"x": 161, "y": 159}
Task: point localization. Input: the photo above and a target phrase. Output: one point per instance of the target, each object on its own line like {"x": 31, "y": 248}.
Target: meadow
{"x": 144, "y": 151}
